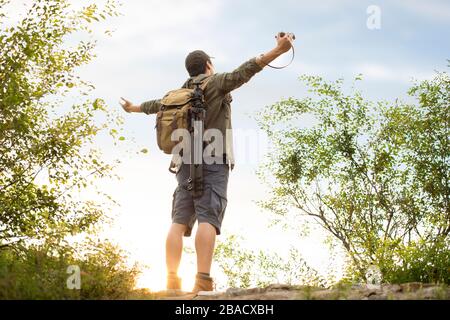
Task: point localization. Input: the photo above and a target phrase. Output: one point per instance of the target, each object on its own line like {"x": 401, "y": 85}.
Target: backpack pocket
{"x": 167, "y": 121}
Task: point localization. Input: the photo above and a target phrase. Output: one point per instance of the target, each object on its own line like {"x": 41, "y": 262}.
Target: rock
{"x": 357, "y": 286}
{"x": 373, "y": 286}
{"x": 355, "y": 292}
{"x": 378, "y": 297}
{"x": 279, "y": 286}
{"x": 273, "y": 295}
{"x": 210, "y": 293}
{"x": 234, "y": 292}
{"x": 325, "y": 295}
{"x": 411, "y": 286}
{"x": 428, "y": 293}
{"x": 394, "y": 288}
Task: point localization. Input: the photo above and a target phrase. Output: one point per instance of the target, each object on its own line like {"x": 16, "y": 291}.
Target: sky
{"x": 144, "y": 59}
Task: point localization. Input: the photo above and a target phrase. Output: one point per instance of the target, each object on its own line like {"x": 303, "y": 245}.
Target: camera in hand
{"x": 282, "y": 34}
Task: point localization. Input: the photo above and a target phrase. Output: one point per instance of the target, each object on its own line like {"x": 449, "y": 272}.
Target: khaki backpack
{"x": 174, "y": 114}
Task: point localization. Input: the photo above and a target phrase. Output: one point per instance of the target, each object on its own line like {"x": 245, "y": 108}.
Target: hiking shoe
{"x": 202, "y": 283}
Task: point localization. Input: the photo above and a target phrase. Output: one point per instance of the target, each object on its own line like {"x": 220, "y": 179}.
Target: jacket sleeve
{"x": 151, "y": 106}
{"x": 229, "y": 81}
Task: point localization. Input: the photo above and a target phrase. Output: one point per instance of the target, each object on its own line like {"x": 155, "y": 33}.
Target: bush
{"x": 41, "y": 272}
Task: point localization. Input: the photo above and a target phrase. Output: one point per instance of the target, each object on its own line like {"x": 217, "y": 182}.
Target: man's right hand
{"x": 128, "y": 106}
{"x": 284, "y": 43}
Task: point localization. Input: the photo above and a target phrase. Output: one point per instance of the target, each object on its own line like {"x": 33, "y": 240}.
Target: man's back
{"x": 218, "y": 100}
{"x": 217, "y": 94}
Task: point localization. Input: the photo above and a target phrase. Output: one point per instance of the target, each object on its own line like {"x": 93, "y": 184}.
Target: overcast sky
{"x": 145, "y": 58}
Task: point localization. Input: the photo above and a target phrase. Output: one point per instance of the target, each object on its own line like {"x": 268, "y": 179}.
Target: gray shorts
{"x": 210, "y": 207}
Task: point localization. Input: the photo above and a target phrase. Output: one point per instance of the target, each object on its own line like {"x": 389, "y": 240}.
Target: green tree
{"x": 46, "y": 147}
{"x": 375, "y": 175}
{"x": 48, "y": 156}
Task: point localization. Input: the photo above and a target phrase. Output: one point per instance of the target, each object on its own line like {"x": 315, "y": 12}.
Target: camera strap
{"x": 292, "y": 59}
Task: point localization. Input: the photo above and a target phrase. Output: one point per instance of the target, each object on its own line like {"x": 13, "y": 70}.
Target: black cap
{"x": 196, "y": 62}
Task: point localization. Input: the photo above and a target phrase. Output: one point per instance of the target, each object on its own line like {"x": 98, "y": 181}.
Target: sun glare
{"x": 154, "y": 279}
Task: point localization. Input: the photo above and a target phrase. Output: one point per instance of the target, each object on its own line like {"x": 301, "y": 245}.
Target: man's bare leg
{"x": 204, "y": 246}
{"x": 174, "y": 247}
